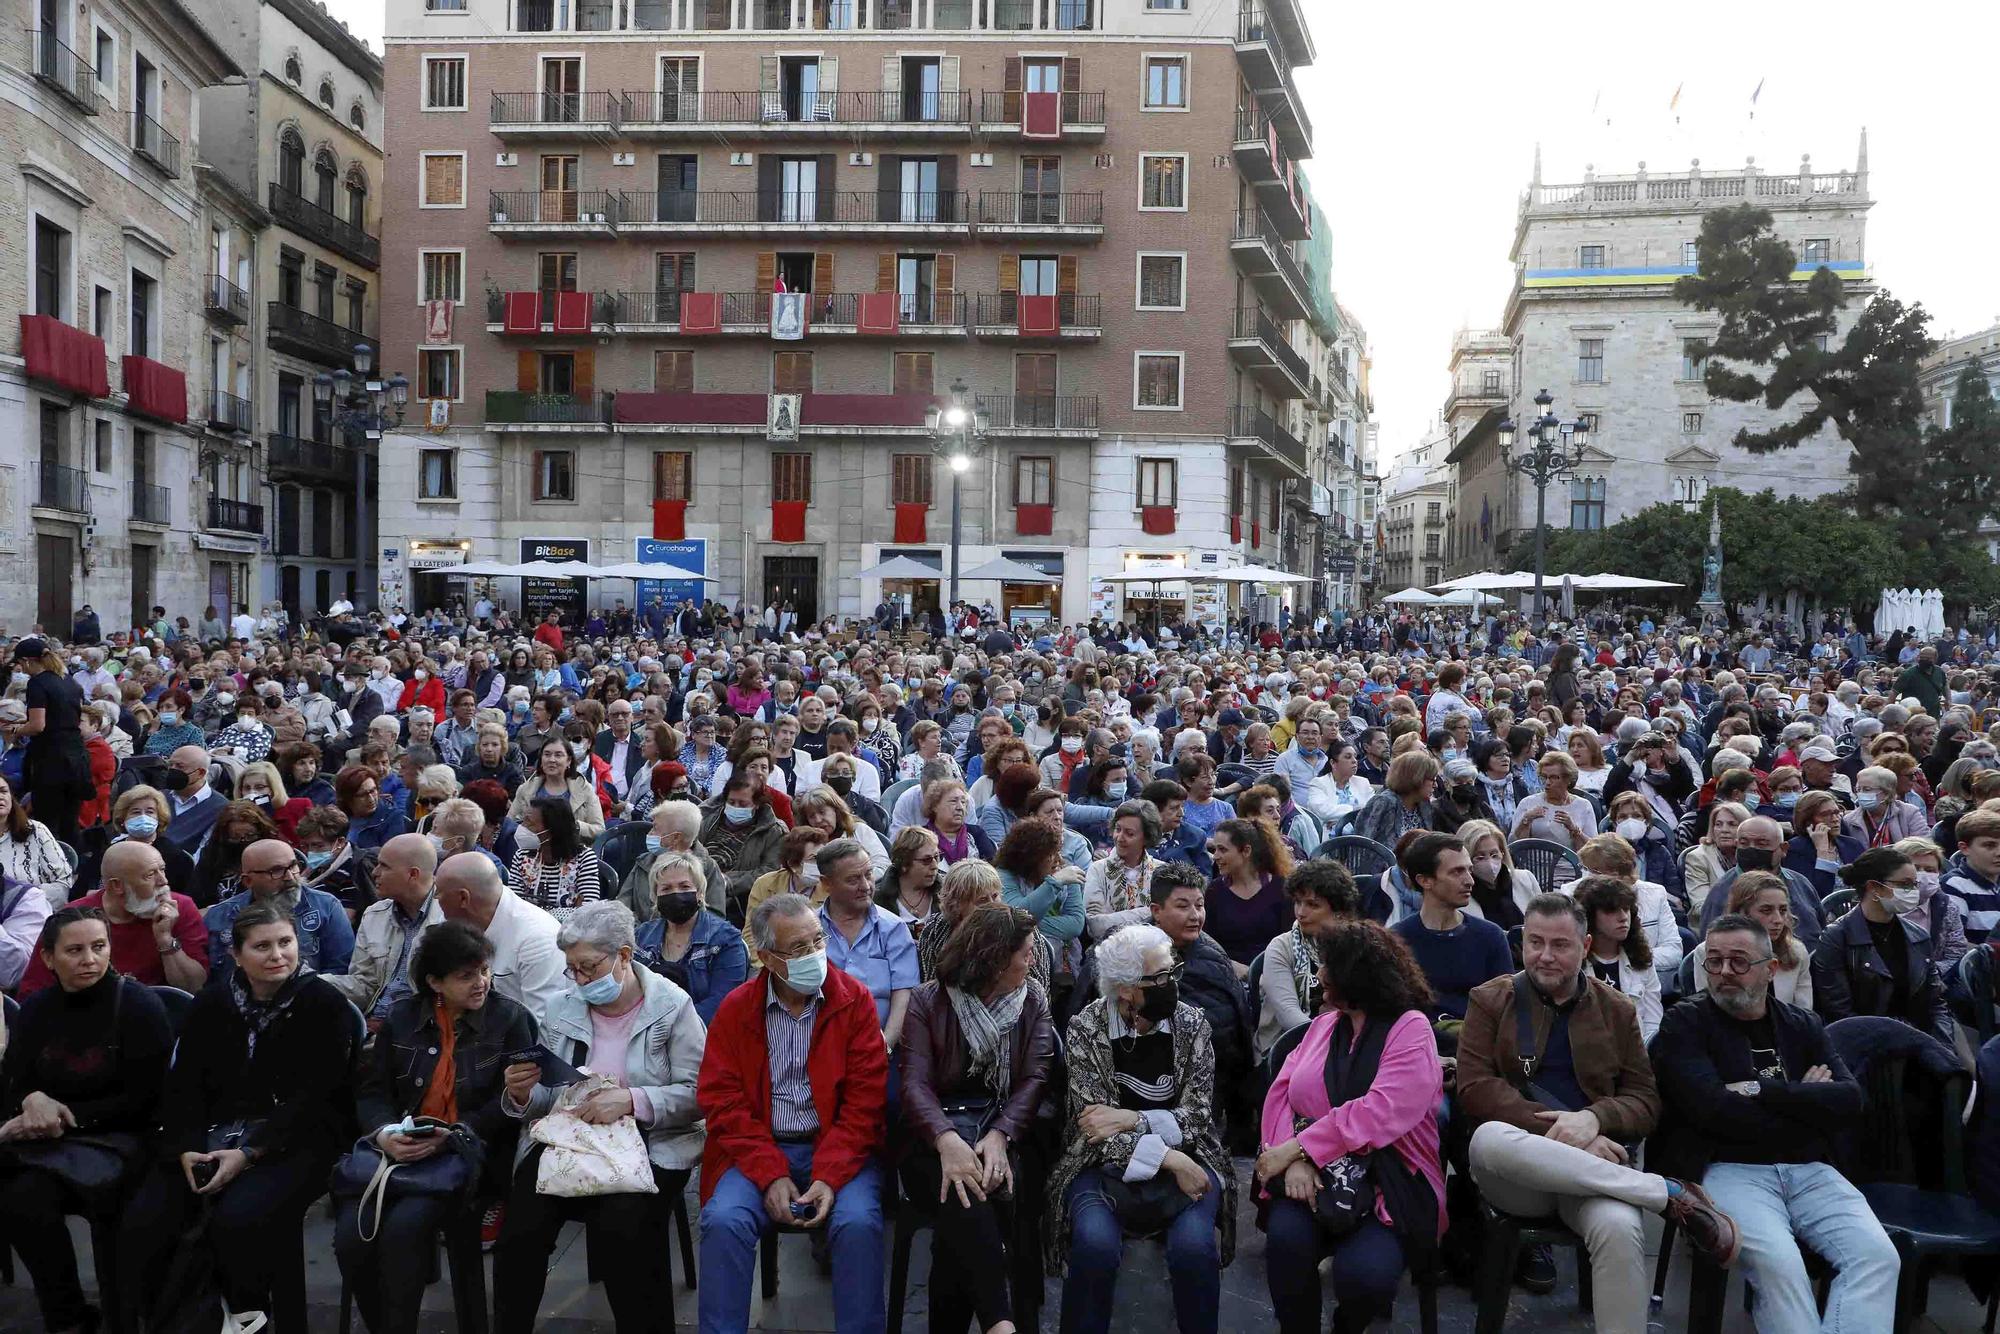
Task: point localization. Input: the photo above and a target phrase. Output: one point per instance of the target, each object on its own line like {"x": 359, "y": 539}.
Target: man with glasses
{"x": 1554, "y": 1114}
{"x": 272, "y": 869}
{"x": 1755, "y": 1096}
{"x": 793, "y": 1084}
{"x": 617, "y": 747}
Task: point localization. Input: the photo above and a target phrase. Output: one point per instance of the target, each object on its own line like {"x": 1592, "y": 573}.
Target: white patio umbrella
{"x": 1612, "y": 583}
{"x": 1009, "y": 571}
{"x": 902, "y": 567}
{"x": 1173, "y": 576}
{"x": 1466, "y": 597}
{"x": 554, "y": 569}
{"x": 481, "y": 569}
{"x": 640, "y": 569}
{"x": 1488, "y": 581}
{"x": 1414, "y": 596}
{"x": 1252, "y": 574}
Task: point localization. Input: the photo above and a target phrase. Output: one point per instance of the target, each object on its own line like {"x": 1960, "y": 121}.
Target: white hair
{"x": 1121, "y": 956}
{"x": 605, "y": 923}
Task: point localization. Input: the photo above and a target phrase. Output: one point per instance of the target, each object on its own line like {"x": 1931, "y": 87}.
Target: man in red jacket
{"x": 793, "y": 1085}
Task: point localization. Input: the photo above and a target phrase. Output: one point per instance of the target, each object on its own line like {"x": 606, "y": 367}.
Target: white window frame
{"x": 459, "y": 300}
{"x": 1180, "y": 359}
{"x": 700, "y": 69}
{"x": 1146, "y": 59}
{"x": 1139, "y": 278}
{"x": 98, "y": 29}
{"x": 423, "y": 499}
{"x": 424, "y": 82}
{"x": 417, "y": 386}
{"x": 459, "y": 8}
{"x": 423, "y": 174}
{"x": 1187, "y": 184}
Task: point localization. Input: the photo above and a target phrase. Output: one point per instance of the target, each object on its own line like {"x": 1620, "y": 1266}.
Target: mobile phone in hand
{"x": 204, "y": 1172}
{"x": 426, "y": 1131}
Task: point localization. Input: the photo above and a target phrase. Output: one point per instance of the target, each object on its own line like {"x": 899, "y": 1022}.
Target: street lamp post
{"x": 1554, "y": 448}
{"x": 958, "y": 431}
{"x": 358, "y": 403}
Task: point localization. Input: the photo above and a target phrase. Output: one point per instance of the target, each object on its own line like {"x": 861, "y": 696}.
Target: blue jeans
{"x": 1772, "y": 1202}
{"x": 1367, "y": 1267}
{"x": 733, "y": 1222}
{"x": 1097, "y": 1244}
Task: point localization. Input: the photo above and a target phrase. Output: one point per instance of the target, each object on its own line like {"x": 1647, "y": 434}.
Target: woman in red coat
{"x": 103, "y": 769}
{"x": 423, "y": 688}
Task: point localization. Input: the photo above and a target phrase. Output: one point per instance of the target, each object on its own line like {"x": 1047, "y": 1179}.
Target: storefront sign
{"x": 668, "y": 594}
{"x": 565, "y": 597}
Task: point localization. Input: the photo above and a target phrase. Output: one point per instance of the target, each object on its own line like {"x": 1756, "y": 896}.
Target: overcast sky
{"x": 1426, "y": 116}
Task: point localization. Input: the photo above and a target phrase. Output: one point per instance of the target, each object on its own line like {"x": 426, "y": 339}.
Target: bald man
{"x": 406, "y": 885}
{"x": 195, "y": 804}
{"x": 527, "y": 966}
{"x": 272, "y": 869}
{"x": 157, "y": 936}
{"x": 1760, "y": 846}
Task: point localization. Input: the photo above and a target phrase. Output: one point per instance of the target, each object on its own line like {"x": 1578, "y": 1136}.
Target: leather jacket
{"x": 934, "y": 1065}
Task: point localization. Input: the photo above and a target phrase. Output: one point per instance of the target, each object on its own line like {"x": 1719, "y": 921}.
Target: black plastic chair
{"x": 1835, "y": 906}
{"x": 1541, "y": 858}
{"x": 1971, "y": 992}
{"x": 1359, "y": 854}
{"x": 460, "y": 1243}
{"x": 619, "y": 848}
{"x": 176, "y": 1003}
{"x": 1255, "y": 984}
{"x": 1505, "y": 1234}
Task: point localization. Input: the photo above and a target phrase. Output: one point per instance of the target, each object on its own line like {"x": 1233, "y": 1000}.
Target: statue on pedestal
{"x": 1711, "y": 563}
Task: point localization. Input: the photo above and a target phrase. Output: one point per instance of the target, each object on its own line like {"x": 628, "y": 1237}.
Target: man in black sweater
{"x": 1754, "y": 1094}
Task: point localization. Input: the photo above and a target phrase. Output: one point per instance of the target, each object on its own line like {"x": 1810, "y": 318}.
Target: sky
{"x": 1426, "y": 117}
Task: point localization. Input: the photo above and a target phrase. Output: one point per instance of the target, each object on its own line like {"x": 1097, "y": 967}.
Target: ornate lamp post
{"x": 958, "y": 431}
{"x": 1553, "y": 448}
{"x": 357, "y": 403}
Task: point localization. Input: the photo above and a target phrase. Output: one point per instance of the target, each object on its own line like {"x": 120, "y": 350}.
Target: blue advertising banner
{"x": 667, "y": 594}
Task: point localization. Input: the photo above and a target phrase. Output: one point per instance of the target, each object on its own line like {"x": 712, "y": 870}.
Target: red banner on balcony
{"x": 788, "y": 521}
{"x": 670, "y": 520}
{"x": 692, "y": 409}
{"x": 572, "y": 312}
{"x": 62, "y": 354}
{"x": 155, "y": 389}
{"x": 879, "y": 313}
{"x": 1037, "y": 316}
{"x": 1041, "y": 115}
{"x": 865, "y": 409}
{"x": 521, "y": 313}
{"x": 701, "y": 312}
{"x": 1157, "y": 519}
{"x": 910, "y": 522}
{"x": 1256, "y": 534}
{"x": 1034, "y": 520}
{"x": 1236, "y": 528}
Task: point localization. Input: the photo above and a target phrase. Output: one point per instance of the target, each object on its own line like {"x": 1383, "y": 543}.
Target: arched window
{"x": 357, "y": 116}
{"x": 292, "y": 162}
{"x": 294, "y": 74}
{"x": 357, "y": 198}
{"x": 326, "y": 93}
{"x": 324, "y": 173}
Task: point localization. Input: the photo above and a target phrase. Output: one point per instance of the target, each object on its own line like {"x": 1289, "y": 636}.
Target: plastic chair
{"x": 176, "y": 1003}
{"x": 893, "y": 791}
{"x": 1505, "y": 1235}
{"x": 1970, "y": 987}
{"x": 70, "y": 855}
{"x": 1281, "y": 1050}
{"x": 1541, "y": 858}
{"x": 1684, "y": 975}
{"x": 1359, "y": 854}
{"x": 619, "y": 848}
{"x": 1835, "y": 905}
{"x": 1310, "y": 825}
{"x": 1254, "y": 982}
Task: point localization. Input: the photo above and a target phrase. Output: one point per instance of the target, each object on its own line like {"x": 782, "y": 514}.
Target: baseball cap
{"x": 1820, "y": 753}
{"x": 1232, "y": 718}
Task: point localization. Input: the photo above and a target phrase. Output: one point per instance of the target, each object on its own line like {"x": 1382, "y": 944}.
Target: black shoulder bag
{"x": 1524, "y": 1036}
{"x": 93, "y": 1164}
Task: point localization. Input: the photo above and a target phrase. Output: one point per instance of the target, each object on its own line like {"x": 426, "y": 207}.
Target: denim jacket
{"x": 403, "y": 1062}
{"x": 715, "y": 963}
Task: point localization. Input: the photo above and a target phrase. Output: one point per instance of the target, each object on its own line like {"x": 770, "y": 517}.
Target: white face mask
{"x": 1907, "y": 898}
{"x": 1631, "y": 830}
{"x": 809, "y": 872}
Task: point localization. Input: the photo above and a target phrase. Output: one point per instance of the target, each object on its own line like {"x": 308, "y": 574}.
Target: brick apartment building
{"x": 685, "y": 279}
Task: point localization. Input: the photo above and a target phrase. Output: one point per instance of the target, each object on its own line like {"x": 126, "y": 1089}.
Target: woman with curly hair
{"x": 1375, "y": 1040}
{"x": 1620, "y": 955}
{"x": 1035, "y": 878}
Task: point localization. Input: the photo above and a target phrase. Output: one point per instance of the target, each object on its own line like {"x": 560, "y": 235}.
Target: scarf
{"x": 986, "y": 1030}
{"x": 441, "y": 1098}
{"x": 1129, "y": 888}
{"x": 954, "y": 849}
{"x": 1305, "y": 969}
{"x": 258, "y": 1016}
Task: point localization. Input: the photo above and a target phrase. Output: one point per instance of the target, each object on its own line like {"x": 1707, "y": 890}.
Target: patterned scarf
{"x": 986, "y": 1030}
{"x": 258, "y": 1016}
{"x": 1129, "y": 888}
{"x": 1305, "y": 969}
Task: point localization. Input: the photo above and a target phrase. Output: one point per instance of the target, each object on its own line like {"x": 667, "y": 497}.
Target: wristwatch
{"x": 173, "y": 945}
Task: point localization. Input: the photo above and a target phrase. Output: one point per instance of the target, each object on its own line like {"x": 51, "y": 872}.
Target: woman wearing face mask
{"x": 260, "y": 785}
{"x": 742, "y": 833}
{"x": 1871, "y": 962}
{"x": 554, "y": 867}
{"x": 796, "y": 873}
{"x": 1714, "y": 856}
{"x": 1879, "y": 819}
{"x": 331, "y": 865}
{"x": 1502, "y": 788}
{"x": 1819, "y": 847}
{"x": 177, "y": 727}
{"x": 876, "y": 734}
{"x": 704, "y": 950}
{"x": 1941, "y": 915}
{"x": 837, "y": 775}
{"x": 1140, "y": 1151}
{"x": 1500, "y": 891}
{"x": 1630, "y": 816}
{"x": 629, "y": 1023}
{"x": 1067, "y": 755}
{"x": 240, "y": 824}
{"x": 909, "y": 887}
{"x": 560, "y": 775}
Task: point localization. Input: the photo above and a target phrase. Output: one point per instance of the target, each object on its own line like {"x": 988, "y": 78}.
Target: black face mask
{"x": 173, "y": 780}
{"x": 1755, "y": 859}
{"x": 679, "y": 908}
{"x": 841, "y": 783}
{"x": 1157, "y": 1006}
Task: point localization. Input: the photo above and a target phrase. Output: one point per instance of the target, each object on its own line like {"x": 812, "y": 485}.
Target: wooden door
{"x": 559, "y": 176}
{"x": 562, "y": 89}
{"x": 55, "y": 562}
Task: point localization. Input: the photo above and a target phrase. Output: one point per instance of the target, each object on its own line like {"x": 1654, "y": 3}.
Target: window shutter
{"x": 945, "y": 280}
{"x": 767, "y": 187}
{"x": 947, "y": 203}
{"x": 1066, "y": 275}
{"x": 885, "y": 271}
{"x": 1010, "y": 100}
{"x": 583, "y": 376}
{"x": 823, "y": 273}
{"x": 527, "y": 371}
{"x": 888, "y": 185}
{"x": 892, "y": 79}
{"x": 535, "y": 482}
{"x": 1010, "y": 273}
{"x": 768, "y": 74}
{"x": 948, "y": 86}
{"x": 1072, "y": 74}
{"x": 829, "y": 75}
{"x": 824, "y": 187}
{"x": 767, "y": 272}
{"x": 1013, "y": 74}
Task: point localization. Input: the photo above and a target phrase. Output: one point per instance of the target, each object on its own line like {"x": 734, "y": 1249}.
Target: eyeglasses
{"x": 1715, "y": 964}
{"x": 803, "y": 948}
{"x": 1172, "y": 974}
{"x": 590, "y": 972}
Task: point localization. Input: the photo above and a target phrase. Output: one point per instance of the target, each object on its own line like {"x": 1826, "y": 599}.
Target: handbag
{"x": 1347, "y": 1191}
{"x": 972, "y": 1118}
{"x": 94, "y": 1166}
{"x": 1147, "y": 1207}
{"x": 367, "y": 1175}
{"x": 581, "y": 1160}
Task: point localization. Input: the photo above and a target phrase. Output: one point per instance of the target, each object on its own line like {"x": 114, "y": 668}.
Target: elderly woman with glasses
{"x": 635, "y": 1026}
{"x": 1140, "y": 1153}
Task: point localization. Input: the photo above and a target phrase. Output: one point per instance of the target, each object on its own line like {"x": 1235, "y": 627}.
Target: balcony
{"x": 1260, "y": 346}
{"x": 1040, "y": 416}
{"x": 794, "y": 115}
{"x": 938, "y": 314}
{"x": 781, "y": 212}
{"x": 235, "y": 516}
{"x": 1257, "y": 428}
{"x": 553, "y": 212}
{"x": 1266, "y": 257}
{"x": 65, "y": 356}
{"x": 1007, "y": 115}
{"x": 601, "y": 311}
{"x": 151, "y": 141}
{"x": 228, "y": 412}
{"x": 316, "y": 458}
{"x": 71, "y": 76}
{"x": 1078, "y": 215}
{"x": 834, "y": 415}
{"x": 224, "y": 301}
{"x": 306, "y": 335}
{"x": 65, "y": 489}
{"x": 325, "y": 227}
{"x": 513, "y": 407}
{"x": 1267, "y": 60}
{"x": 154, "y": 389}
{"x": 549, "y": 116}
{"x": 152, "y": 504}
{"x": 1008, "y": 315}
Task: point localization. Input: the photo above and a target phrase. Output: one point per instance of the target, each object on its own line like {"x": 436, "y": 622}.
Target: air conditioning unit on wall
{"x": 506, "y": 160}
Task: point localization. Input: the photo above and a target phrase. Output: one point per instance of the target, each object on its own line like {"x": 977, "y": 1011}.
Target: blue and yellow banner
{"x": 1849, "y": 270}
